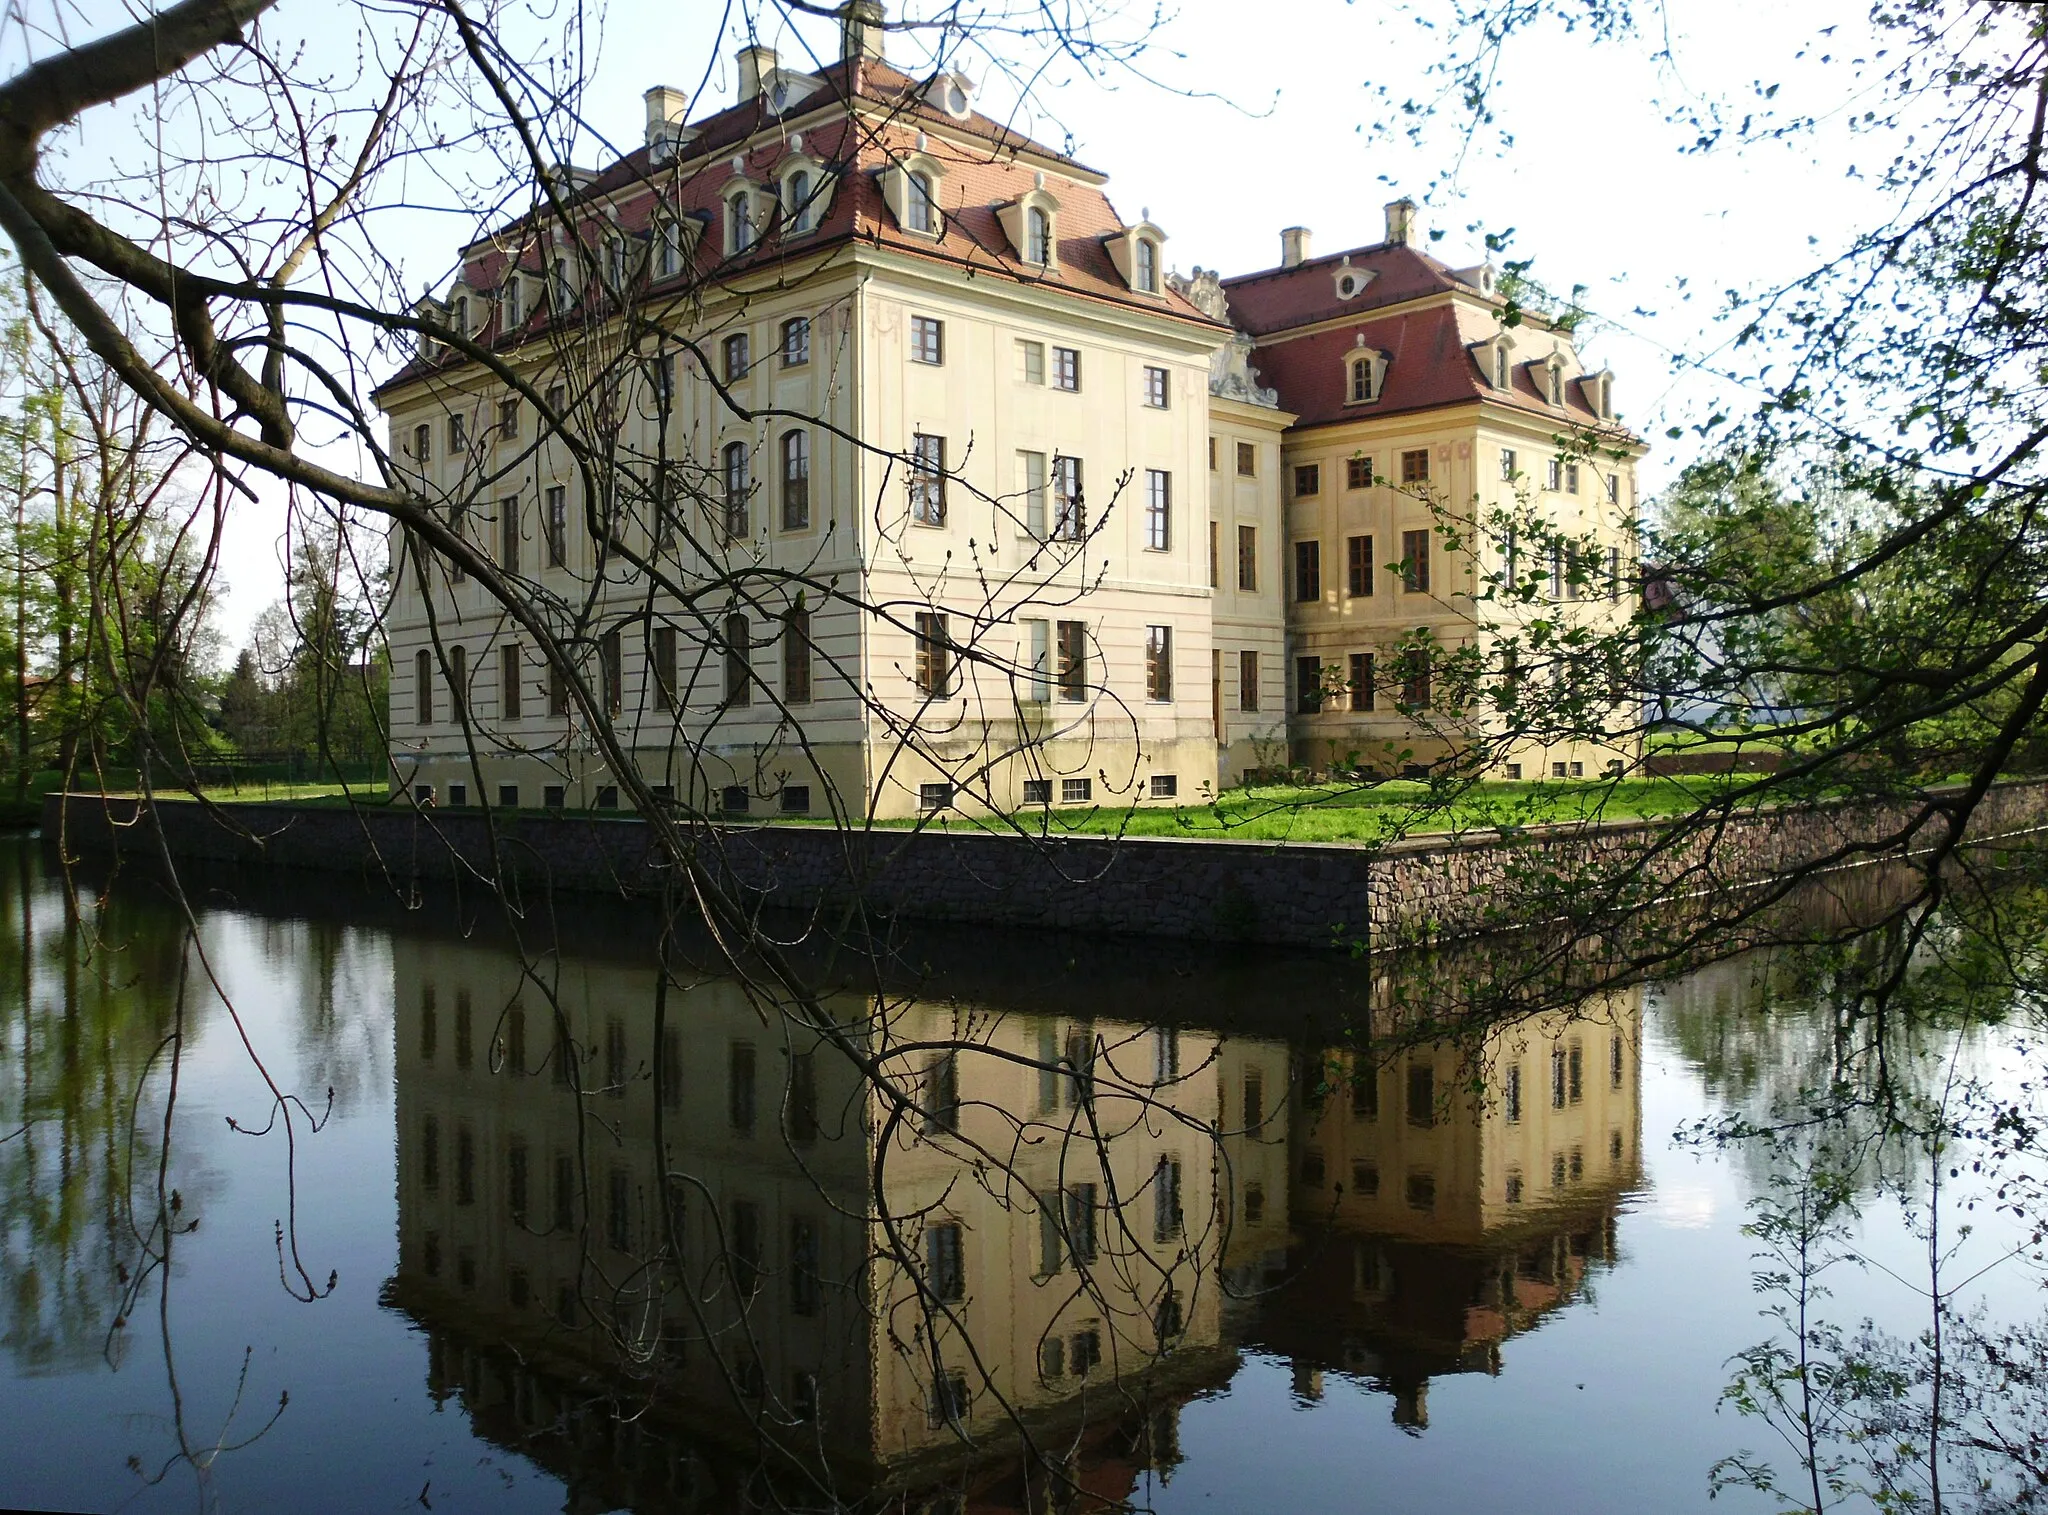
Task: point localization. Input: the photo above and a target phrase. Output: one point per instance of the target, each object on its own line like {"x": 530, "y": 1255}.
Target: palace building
{"x": 870, "y": 461}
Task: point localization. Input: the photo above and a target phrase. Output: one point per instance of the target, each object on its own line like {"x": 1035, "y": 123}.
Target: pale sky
{"x": 1261, "y": 118}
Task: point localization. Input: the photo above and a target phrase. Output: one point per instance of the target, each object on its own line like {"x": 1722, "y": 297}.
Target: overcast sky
{"x": 1261, "y": 118}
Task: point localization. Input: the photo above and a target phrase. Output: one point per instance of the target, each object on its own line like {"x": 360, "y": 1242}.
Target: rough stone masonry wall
{"x": 1284, "y": 893}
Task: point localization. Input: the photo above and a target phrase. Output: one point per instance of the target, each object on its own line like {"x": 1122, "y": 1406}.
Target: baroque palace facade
{"x": 998, "y": 511}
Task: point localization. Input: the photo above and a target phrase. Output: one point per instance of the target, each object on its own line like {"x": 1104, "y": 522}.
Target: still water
{"x": 340, "y": 1205}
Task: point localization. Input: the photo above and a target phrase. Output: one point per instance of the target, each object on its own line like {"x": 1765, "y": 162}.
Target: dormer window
{"x": 460, "y": 307}
{"x": 739, "y": 220}
{"x": 668, "y": 247}
{"x": 1502, "y": 371}
{"x": 1365, "y": 372}
{"x": 509, "y": 313}
{"x": 921, "y": 211}
{"x": 1037, "y": 237}
{"x": 1554, "y": 381}
{"x": 806, "y": 191}
{"x": 1350, "y": 282}
{"x": 796, "y": 200}
{"x": 615, "y": 262}
{"x": 951, "y": 93}
{"x": 1146, "y": 276}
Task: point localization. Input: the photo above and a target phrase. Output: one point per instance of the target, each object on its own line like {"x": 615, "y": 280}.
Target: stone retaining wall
{"x": 1284, "y": 893}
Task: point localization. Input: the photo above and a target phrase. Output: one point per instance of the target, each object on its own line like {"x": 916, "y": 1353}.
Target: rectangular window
{"x": 1571, "y": 478}
{"x": 1415, "y": 562}
{"x": 1308, "y": 685}
{"x": 508, "y": 680}
{"x": 803, "y": 1267}
{"x": 928, "y": 480}
{"x": 1081, "y": 1208}
{"x": 508, "y": 535}
{"x": 1553, "y": 474}
{"x": 1415, "y": 671}
{"x": 739, "y": 1088}
{"x": 1362, "y": 681}
{"x": 1031, "y": 362}
{"x": 423, "y": 444}
{"x": 458, "y": 681}
{"x": 1421, "y": 1095}
{"x": 1031, "y": 478}
{"x": 1037, "y": 650}
{"x": 934, "y": 655}
{"x": 613, "y": 666}
{"x": 1166, "y": 1216}
{"x": 939, "y": 1098}
{"x": 1159, "y": 663}
{"x": 1248, "y": 681}
{"x": 1308, "y": 572}
{"x": 1212, "y": 454}
{"x": 661, "y": 661}
{"x": 739, "y": 648}
{"x": 1066, "y": 369}
{"x": 927, "y": 340}
{"x": 935, "y": 796}
{"x": 458, "y": 433}
{"x": 1415, "y": 466}
{"x": 1508, "y": 468}
{"x": 736, "y": 357}
{"x": 558, "y": 692}
{"x": 1215, "y": 554}
{"x": 1248, "y": 559}
{"x": 1038, "y": 791}
{"x": 796, "y": 480}
{"x": 1308, "y": 480}
{"x": 1247, "y": 461}
{"x": 1155, "y": 388}
{"x": 1070, "y": 511}
{"x": 1358, "y": 473}
{"x": 1614, "y": 489}
{"x": 508, "y": 416}
{"x": 423, "y": 687}
{"x": 1165, "y": 785}
{"x": 796, "y": 342}
{"x": 556, "y": 498}
{"x": 796, "y": 658}
{"x": 1358, "y": 566}
{"x": 796, "y": 799}
{"x": 745, "y": 1232}
{"x": 1073, "y": 660}
{"x": 1158, "y": 510}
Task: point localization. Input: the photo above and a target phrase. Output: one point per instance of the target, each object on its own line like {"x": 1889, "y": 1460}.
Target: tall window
{"x": 1215, "y": 554}
{"x": 1308, "y": 571}
{"x": 796, "y": 200}
{"x": 796, "y": 341}
{"x": 423, "y": 687}
{"x": 1500, "y": 365}
{"x": 1415, "y": 466}
{"x": 1508, "y": 465}
{"x": 796, "y": 657}
{"x": 796, "y": 480}
{"x": 1070, "y": 510}
{"x": 1247, "y": 461}
{"x": 1073, "y": 660}
{"x": 508, "y": 416}
{"x": 934, "y": 670}
{"x": 1166, "y": 1216}
{"x": 1362, "y": 681}
{"x": 919, "y": 211}
{"x": 458, "y": 433}
{"x": 1358, "y": 566}
{"x": 558, "y": 692}
{"x": 508, "y": 534}
{"x": 1571, "y": 478}
{"x": 945, "y": 1268}
{"x": 458, "y": 681}
{"x": 508, "y": 681}
{"x": 612, "y": 660}
{"x": 1037, "y": 237}
{"x": 1030, "y": 362}
{"x": 736, "y": 357}
{"x": 1158, "y": 509}
{"x": 740, "y": 1103}
{"x": 423, "y": 443}
{"x": 1248, "y": 559}
{"x": 739, "y": 643}
{"x": 740, "y": 225}
{"x": 1147, "y": 265}
{"x": 1415, "y": 562}
{"x": 661, "y": 660}
{"x": 928, "y": 480}
{"x": 1248, "y": 680}
{"x": 1159, "y": 663}
{"x": 556, "y": 497}
{"x": 927, "y": 340}
{"x": 508, "y": 304}
{"x": 738, "y": 485}
{"x": 1156, "y": 391}
{"x": 1066, "y": 368}
{"x": 1358, "y": 473}
{"x": 1037, "y": 651}
{"x": 1031, "y": 480}
{"x": 1308, "y": 685}
{"x": 1415, "y": 673}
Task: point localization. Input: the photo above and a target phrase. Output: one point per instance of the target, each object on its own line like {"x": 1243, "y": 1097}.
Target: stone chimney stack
{"x": 860, "y": 29}
{"x": 1294, "y": 246}
{"x": 666, "y": 110}
{"x": 756, "y": 64}
{"x": 1401, "y": 222}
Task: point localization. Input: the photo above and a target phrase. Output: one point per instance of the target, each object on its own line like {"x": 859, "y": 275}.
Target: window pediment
{"x": 1139, "y": 253}
{"x": 910, "y": 188}
{"x": 804, "y": 189}
{"x": 1365, "y": 374}
{"x": 744, "y": 207}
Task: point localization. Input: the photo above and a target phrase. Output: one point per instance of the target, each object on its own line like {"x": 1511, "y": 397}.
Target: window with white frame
{"x": 1037, "y": 237}
{"x": 1159, "y": 663}
{"x": 739, "y": 220}
{"x": 1365, "y": 370}
{"x": 1031, "y": 483}
{"x": 928, "y": 480}
{"x": 920, "y": 208}
{"x": 1070, "y": 519}
{"x": 1030, "y": 362}
{"x": 1146, "y": 266}
{"x": 797, "y": 209}
{"x": 1158, "y": 510}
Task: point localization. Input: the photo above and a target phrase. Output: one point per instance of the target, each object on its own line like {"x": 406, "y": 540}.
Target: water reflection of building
{"x": 811, "y": 1270}
{"x": 1449, "y": 1197}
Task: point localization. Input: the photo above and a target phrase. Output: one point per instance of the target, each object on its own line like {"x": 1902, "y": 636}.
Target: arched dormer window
{"x": 1037, "y": 237}
{"x": 806, "y": 190}
{"x": 739, "y": 220}
{"x": 1135, "y": 251}
{"x": 1032, "y": 223}
{"x": 1503, "y": 369}
{"x": 1553, "y": 380}
{"x": 1365, "y": 374}
{"x": 1147, "y": 266}
{"x": 911, "y": 187}
{"x": 796, "y": 200}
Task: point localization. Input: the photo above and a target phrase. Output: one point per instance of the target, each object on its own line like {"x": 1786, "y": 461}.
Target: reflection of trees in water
{"x": 86, "y": 1003}
{"x": 336, "y": 994}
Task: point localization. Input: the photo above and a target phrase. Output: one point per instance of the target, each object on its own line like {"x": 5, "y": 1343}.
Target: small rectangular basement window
{"x": 1165, "y": 785}
{"x": 458, "y": 794}
{"x": 508, "y": 796}
{"x": 1038, "y": 791}
{"x": 423, "y": 794}
{"x": 1077, "y": 791}
{"x": 796, "y": 799}
{"x": 934, "y": 796}
{"x": 554, "y": 797}
{"x": 733, "y": 799}
{"x": 608, "y": 797}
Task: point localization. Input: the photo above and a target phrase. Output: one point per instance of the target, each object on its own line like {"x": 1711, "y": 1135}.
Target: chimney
{"x": 756, "y": 64}
{"x": 666, "y": 109}
{"x": 1400, "y": 222}
{"x": 1294, "y": 246}
{"x": 860, "y": 29}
